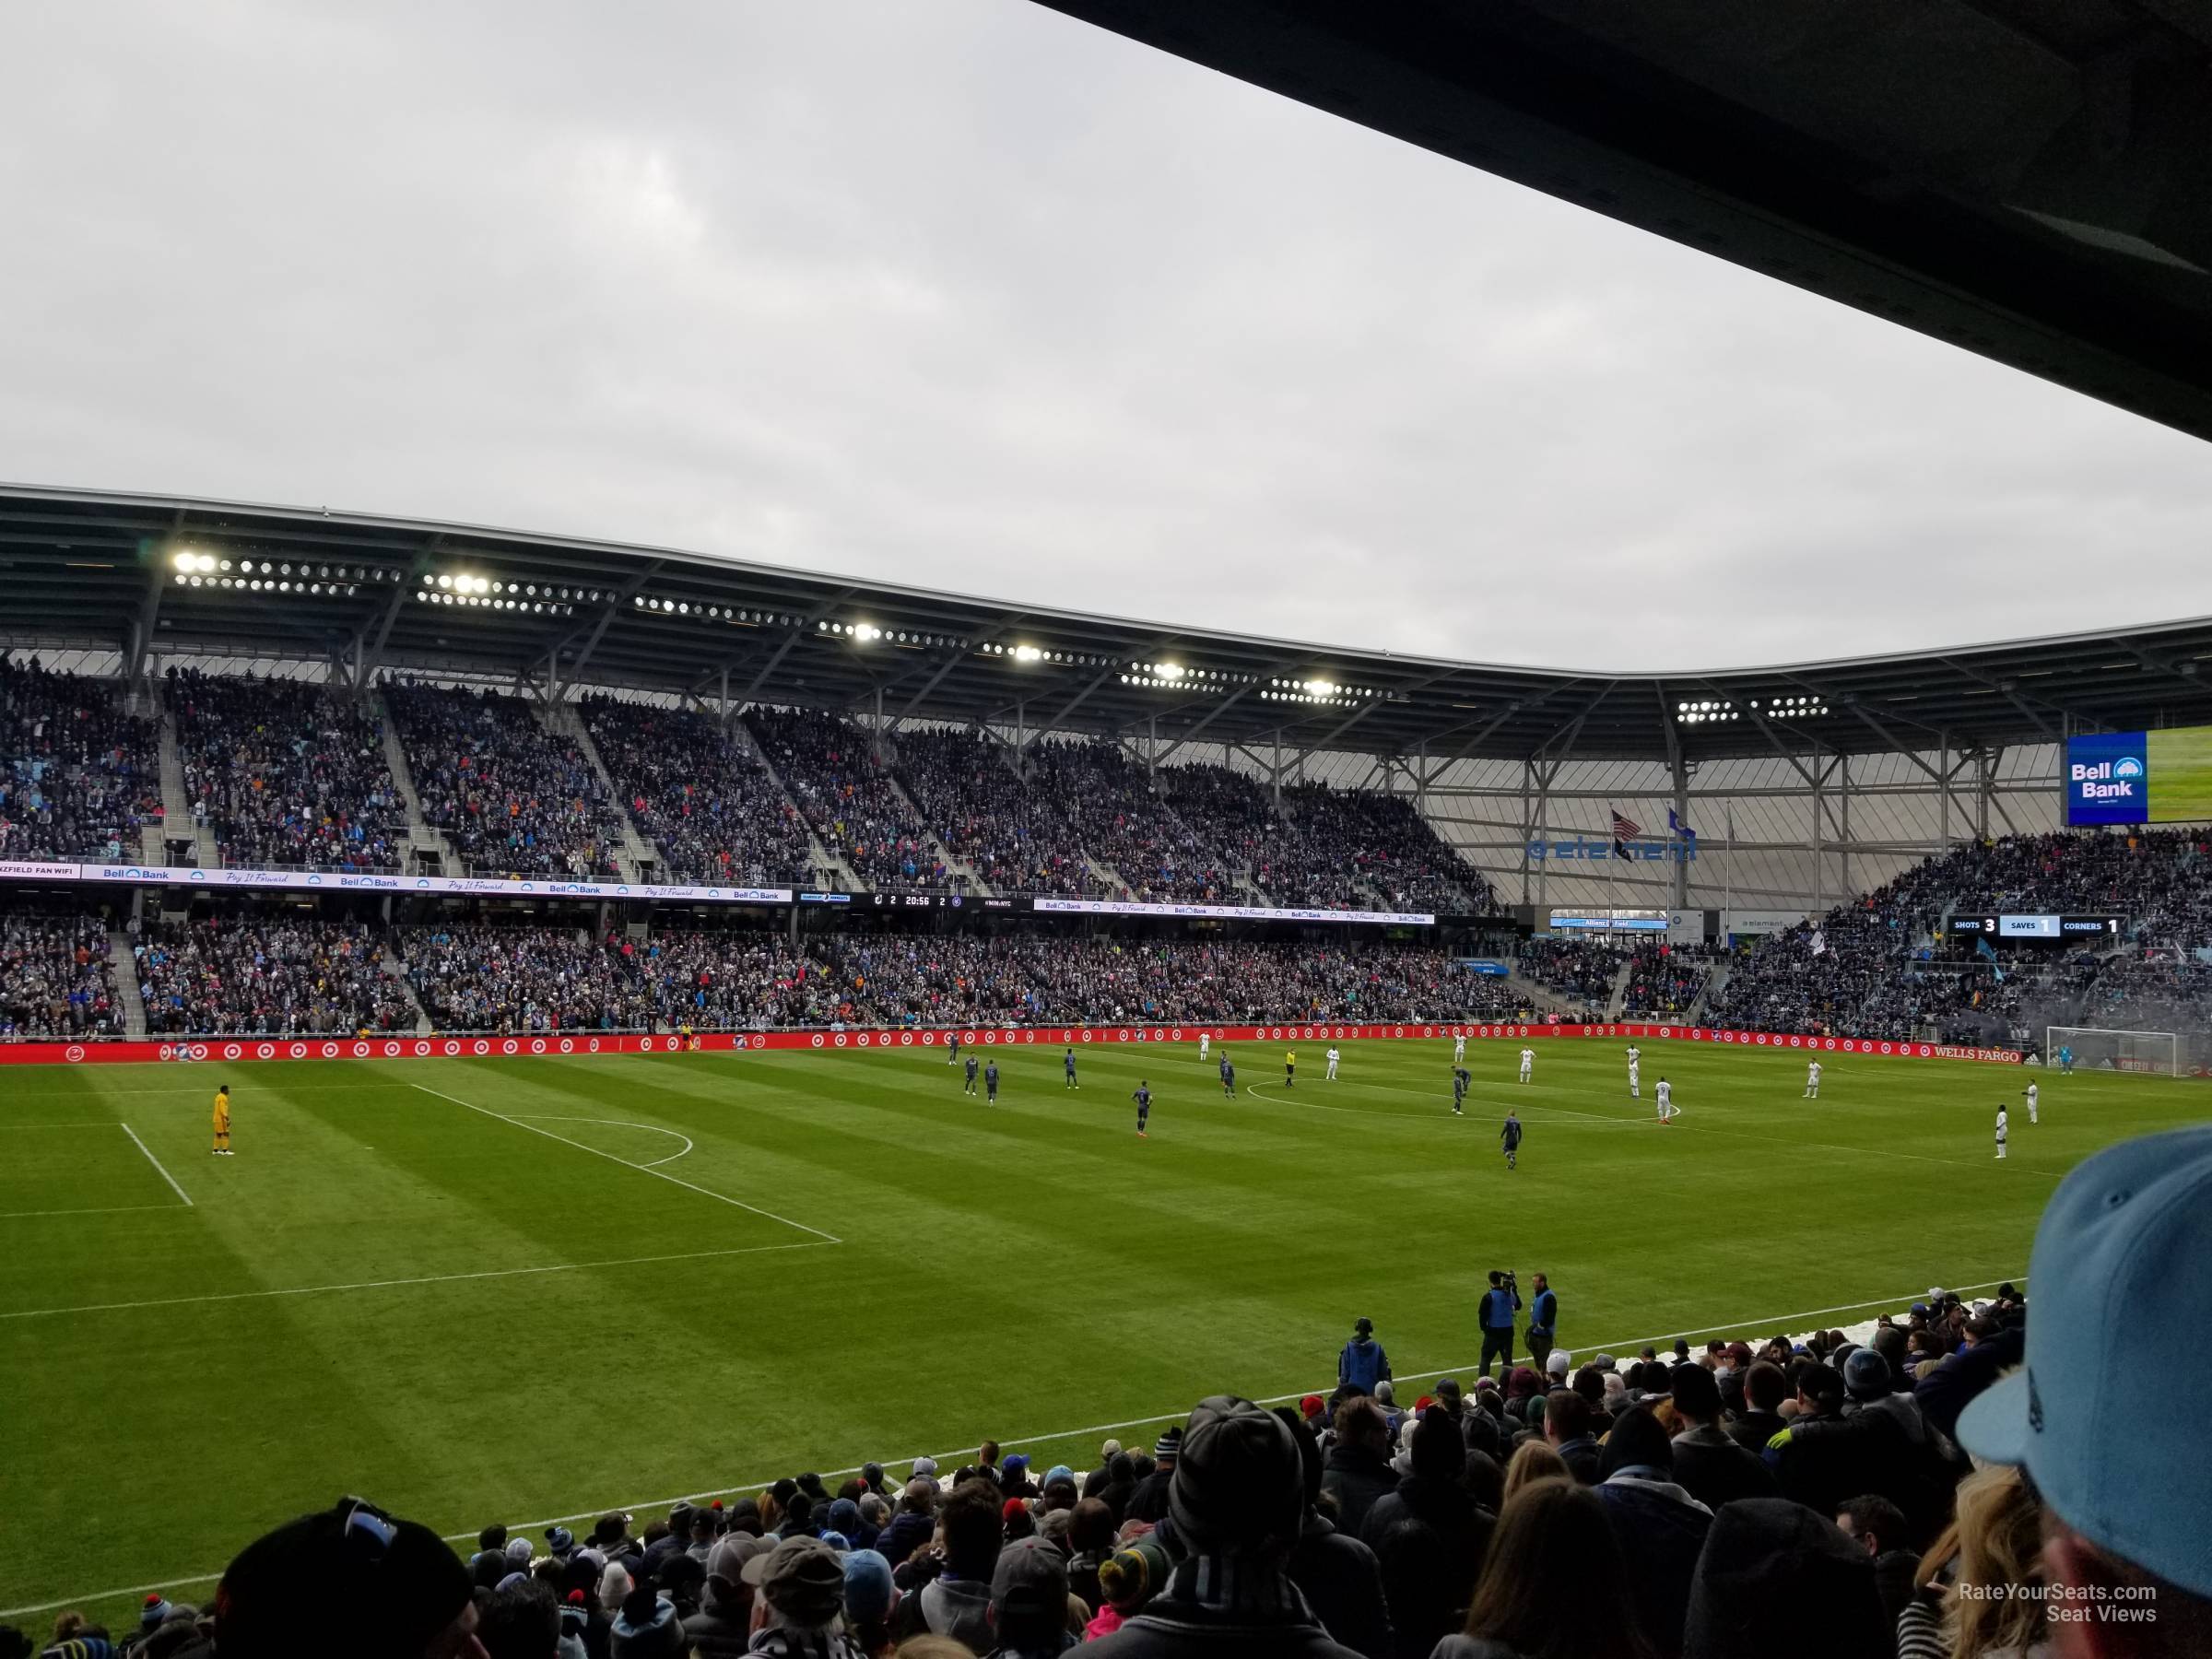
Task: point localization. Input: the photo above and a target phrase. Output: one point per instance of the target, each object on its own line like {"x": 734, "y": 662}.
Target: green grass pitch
{"x": 524, "y": 1289}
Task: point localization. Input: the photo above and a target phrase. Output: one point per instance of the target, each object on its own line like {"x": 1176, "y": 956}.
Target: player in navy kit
{"x": 970, "y": 1087}
{"x": 1068, "y": 1065}
{"x": 952, "y": 1049}
{"x": 1459, "y": 1091}
{"x": 1509, "y": 1140}
{"x": 991, "y": 1081}
{"x": 1143, "y": 1096}
{"x": 1228, "y": 1078}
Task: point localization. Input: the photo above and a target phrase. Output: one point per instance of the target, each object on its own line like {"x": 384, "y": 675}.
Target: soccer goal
{"x": 2098, "y": 1050}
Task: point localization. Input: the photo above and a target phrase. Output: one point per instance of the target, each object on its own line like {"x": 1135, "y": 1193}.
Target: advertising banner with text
{"x": 556, "y": 1044}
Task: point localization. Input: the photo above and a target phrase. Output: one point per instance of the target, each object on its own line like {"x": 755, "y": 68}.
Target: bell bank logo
{"x": 2106, "y": 780}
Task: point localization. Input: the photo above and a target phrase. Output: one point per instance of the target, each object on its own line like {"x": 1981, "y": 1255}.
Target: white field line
{"x": 102, "y": 1209}
{"x": 1769, "y": 1322}
{"x": 641, "y": 1169}
{"x": 429, "y": 1278}
{"x": 1598, "y": 1118}
{"x": 542, "y": 1117}
{"x": 165, "y": 1175}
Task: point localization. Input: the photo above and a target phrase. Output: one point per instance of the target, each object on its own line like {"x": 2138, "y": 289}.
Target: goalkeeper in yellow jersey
{"x": 222, "y": 1122}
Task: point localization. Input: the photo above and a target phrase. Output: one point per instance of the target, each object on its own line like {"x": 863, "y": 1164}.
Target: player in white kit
{"x": 1330, "y": 1076}
{"x": 1665, "y": 1094}
{"x": 2000, "y": 1131}
{"x": 1528, "y": 1063}
{"x": 2031, "y": 1088}
{"x": 1812, "y": 1081}
{"x": 1206, "y": 1041}
{"x": 1635, "y": 1086}
{"x": 1459, "y": 1047}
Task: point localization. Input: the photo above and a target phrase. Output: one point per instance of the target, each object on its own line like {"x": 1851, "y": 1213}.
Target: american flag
{"x": 1625, "y": 829}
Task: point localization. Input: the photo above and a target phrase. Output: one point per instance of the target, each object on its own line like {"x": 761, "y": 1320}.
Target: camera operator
{"x": 1499, "y": 1303}
{"x": 1543, "y": 1322}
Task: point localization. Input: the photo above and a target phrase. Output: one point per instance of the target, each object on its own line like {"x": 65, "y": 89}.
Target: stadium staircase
{"x": 1543, "y": 999}
{"x": 956, "y": 867}
{"x": 1715, "y": 983}
{"x": 1620, "y": 998}
{"x": 176, "y": 805}
{"x": 1105, "y": 875}
{"x": 395, "y": 970}
{"x": 834, "y": 871}
{"x": 565, "y": 720}
{"x": 126, "y": 984}
{"x": 422, "y": 836}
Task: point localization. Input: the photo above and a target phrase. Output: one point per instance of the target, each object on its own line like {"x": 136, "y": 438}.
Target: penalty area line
{"x": 641, "y": 1169}
{"x": 165, "y": 1175}
{"x": 1762, "y": 1322}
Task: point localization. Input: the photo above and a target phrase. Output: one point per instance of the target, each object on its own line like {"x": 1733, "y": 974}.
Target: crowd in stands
{"x": 1885, "y": 966}
{"x": 1583, "y": 970}
{"x": 700, "y": 795}
{"x": 78, "y": 777}
{"x": 512, "y": 796}
{"x": 512, "y": 981}
{"x": 1390, "y": 846}
{"x": 857, "y": 811}
{"x": 251, "y": 975}
{"x": 286, "y": 772}
{"x": 1809, "y": 1494}
{"x": 1124, "y": 824}
{"x": 1666, "y": 978}
{"x": 1015, "y": 838}
{"x": 56, "y": 979}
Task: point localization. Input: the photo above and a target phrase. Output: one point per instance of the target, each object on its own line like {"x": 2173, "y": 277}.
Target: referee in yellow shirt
{"x": 222, "y": 1122}
{"x": 1290, "y": 1068}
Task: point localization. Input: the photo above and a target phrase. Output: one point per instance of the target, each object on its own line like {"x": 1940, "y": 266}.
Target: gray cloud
{"x": 972, "y": 295}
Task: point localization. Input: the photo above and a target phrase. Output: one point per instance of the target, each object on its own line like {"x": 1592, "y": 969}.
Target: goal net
{"x": 2098, "y": 1050}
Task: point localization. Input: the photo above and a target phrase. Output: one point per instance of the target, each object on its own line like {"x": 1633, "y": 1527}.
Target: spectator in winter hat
{"x": 844, "y": 1520}
{"x": 1149, "y": 1501}
{"x": 615, "y": 1586}
{"x": 800, "y": 1586}
{"x": 1661, "y": 1527}
{"x": 1013, "y": 1477}
{"x": 870, "y": 1598}
{"x": 1237, "y": 1505}
{"x": 355, "y": 1583}
{"x": 723, "y": 1625}
{"x": 559, "y": 1540}
{"x": 646, "y": 1627}
{"x": 1766, "y": 1565}
{"x": 1029, "y": 1601}
{"x": 1557, "y": 1362}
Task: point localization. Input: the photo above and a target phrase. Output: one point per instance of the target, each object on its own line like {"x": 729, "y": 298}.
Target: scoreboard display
{"x": 2075, "y": 928}
{"x": 2140, "y": 777}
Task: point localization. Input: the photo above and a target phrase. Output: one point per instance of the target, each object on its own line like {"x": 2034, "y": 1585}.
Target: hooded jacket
{"x": 1661, "y": 1528}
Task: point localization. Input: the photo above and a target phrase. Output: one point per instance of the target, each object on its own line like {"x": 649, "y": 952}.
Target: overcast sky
{"x": 970, "y": 294}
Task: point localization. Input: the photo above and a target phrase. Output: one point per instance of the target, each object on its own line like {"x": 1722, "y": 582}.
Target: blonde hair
{"x": 1533, "y": 1460}
{"x": 1995, "y": 1541}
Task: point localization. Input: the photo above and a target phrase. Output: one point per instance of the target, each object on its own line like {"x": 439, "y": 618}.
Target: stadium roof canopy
{"x": 2028, "y": 179}
{"x": 156, "y": 576}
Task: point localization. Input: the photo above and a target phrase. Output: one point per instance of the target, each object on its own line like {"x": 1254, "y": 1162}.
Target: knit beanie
{"x": 1238, "y": 1480}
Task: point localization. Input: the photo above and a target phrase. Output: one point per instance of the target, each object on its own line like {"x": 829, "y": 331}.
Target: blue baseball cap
{"x": 869, "y": 1596}
{"x": 2120, "y": 1276}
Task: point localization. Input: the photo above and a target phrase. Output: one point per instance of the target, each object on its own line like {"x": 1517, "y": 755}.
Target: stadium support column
{"x": 1676, "y": 845}
{"x": 1943, "y": 790}
{"x": 1151, "y": 748}
{"x": 1844, "y": 834}
{"x": 1528, "y": 819}
{"x": 726, "y": 699}
{"x": 1817, "y": 845}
